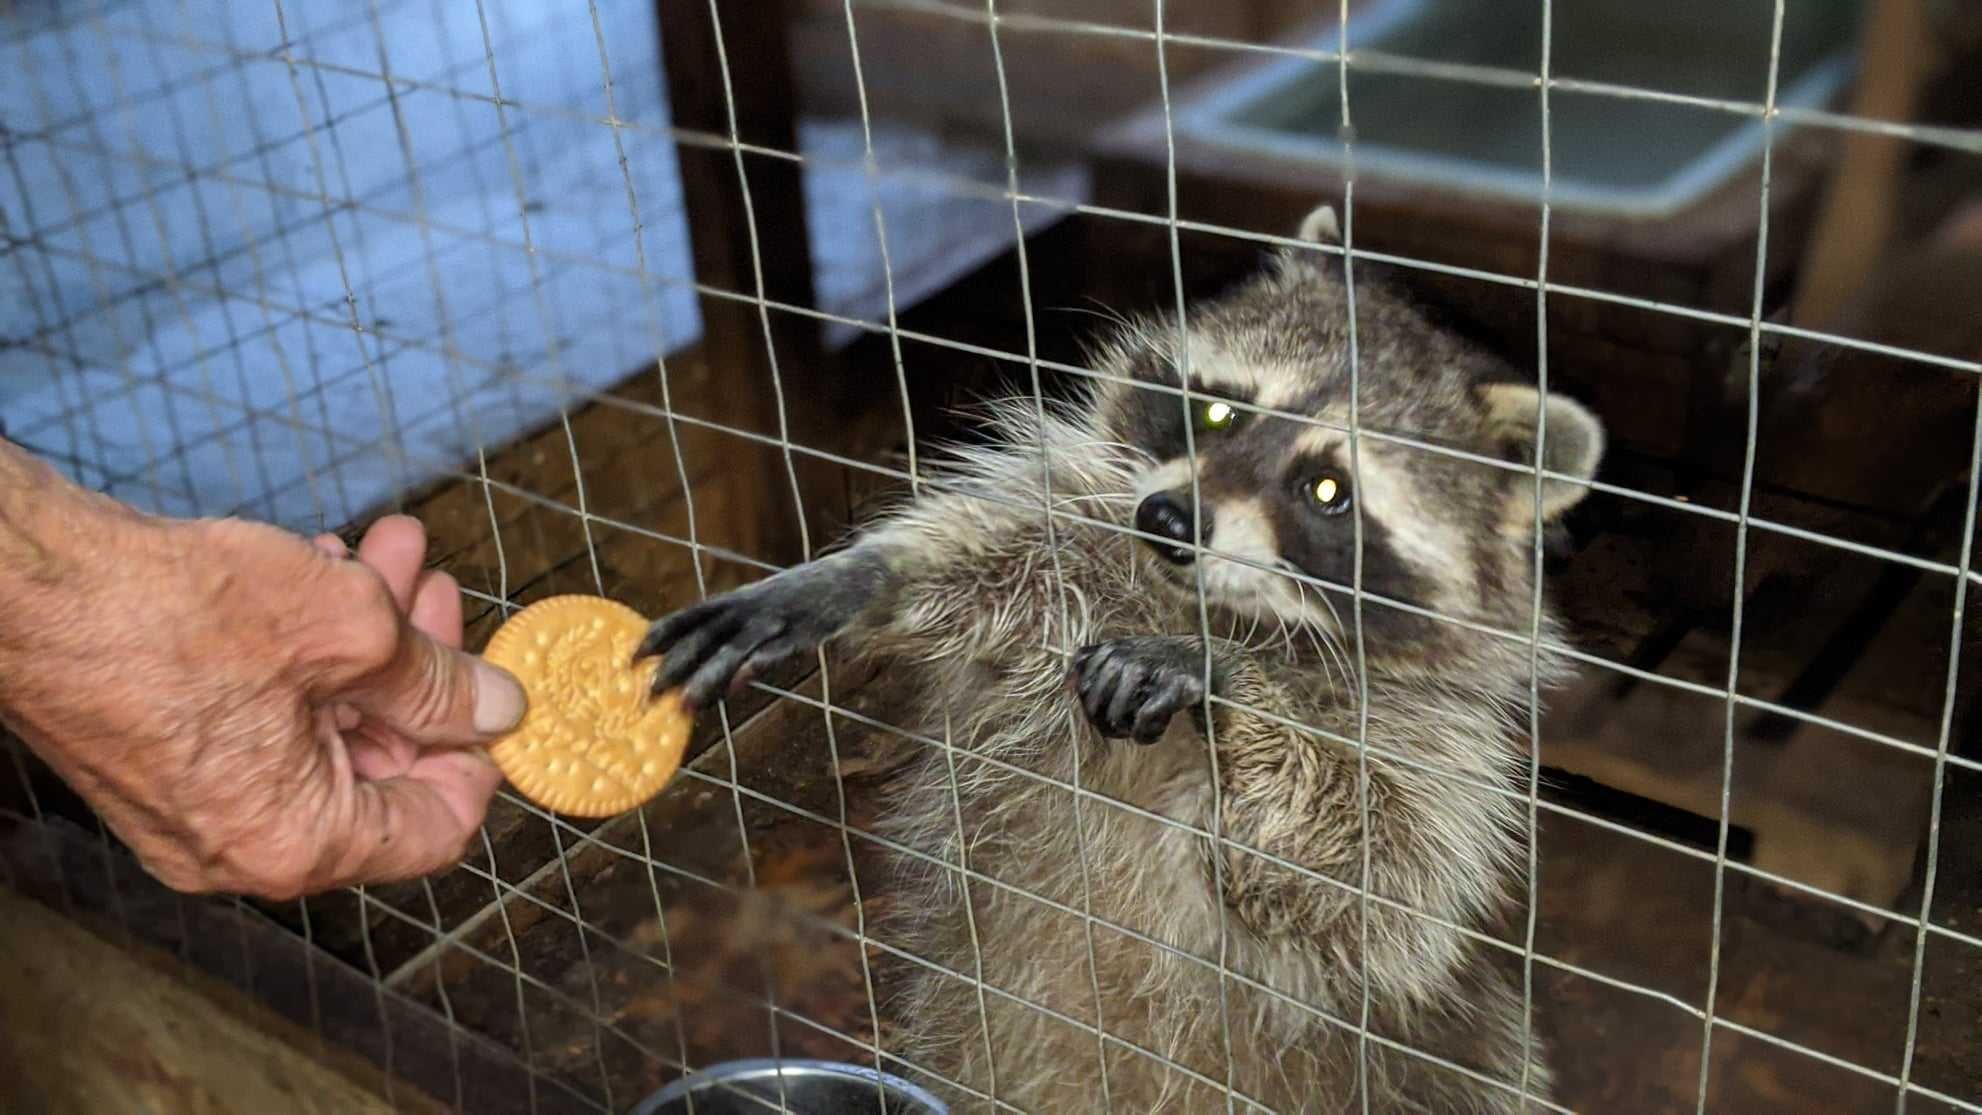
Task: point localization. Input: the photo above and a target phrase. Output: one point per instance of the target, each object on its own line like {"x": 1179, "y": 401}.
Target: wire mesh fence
{"x": 574, "y": 283}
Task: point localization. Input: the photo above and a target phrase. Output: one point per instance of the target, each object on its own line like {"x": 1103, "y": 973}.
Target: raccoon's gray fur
{"x": 1035, "y": 651}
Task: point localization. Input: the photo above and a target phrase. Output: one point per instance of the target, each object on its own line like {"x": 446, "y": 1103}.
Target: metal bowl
{"x": 808, "y": 1088}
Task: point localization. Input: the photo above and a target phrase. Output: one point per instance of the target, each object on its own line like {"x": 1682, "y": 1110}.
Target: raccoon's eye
{"x": 1216, "y": 416}
{"x": 1330, "y": 493}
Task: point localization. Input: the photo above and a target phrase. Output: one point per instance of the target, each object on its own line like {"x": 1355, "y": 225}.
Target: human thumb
{"x": 434, "y": 694}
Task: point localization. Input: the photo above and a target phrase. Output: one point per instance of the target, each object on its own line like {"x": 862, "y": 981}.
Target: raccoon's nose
{"x": 1164, "y": 516}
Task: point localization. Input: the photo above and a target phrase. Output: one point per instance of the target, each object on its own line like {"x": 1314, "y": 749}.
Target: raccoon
{"x": 1099, "y": 951}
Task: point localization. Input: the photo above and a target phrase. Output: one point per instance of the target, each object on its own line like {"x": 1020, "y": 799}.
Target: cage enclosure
{"x": 652, "y": 300}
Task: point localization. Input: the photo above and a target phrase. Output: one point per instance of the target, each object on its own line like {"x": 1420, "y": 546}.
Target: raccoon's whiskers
{"x": 1286, "y": 634}
{"x": 1323, "y": 648}
{"x": 1257, "y": 612}
{"x": 1300, "y": 591}
{"x": 1103, "y": 311}
{"x": 1330, "y": 605}
{"x": 1326, "y": 646}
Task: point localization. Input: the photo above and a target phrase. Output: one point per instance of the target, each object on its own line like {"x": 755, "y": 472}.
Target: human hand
{"x": 252, "y": 713}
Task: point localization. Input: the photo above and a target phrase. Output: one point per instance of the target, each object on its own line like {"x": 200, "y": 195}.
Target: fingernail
{"x": 499, "y": 700}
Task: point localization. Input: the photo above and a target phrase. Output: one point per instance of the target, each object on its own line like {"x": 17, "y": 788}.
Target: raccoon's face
{"x": 1254, "y": 490}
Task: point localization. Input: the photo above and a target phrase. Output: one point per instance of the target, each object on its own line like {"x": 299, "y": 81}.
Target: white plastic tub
{"x": 1627, "y": 156}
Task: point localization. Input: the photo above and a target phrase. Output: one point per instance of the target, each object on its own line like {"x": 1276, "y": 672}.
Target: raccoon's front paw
{"x": 722, "y": 641}
{"x": 1132, "y": 687}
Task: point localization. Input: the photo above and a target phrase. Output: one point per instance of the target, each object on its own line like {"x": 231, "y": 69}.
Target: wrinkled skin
{"x": 249, "y": 711}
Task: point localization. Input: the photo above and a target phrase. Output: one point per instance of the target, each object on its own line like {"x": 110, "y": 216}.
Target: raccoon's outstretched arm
{"x": 710, "y": 645}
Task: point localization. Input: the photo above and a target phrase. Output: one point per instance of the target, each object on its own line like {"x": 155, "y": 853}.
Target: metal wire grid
{"x": 182, "y": 283}
{"x": 236, "y": 408}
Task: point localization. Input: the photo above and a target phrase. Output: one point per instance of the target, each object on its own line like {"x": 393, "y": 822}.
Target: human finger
{"x": 436, "y": 607}
{"x": 396, "y": 547}
{"x": 436, "y": 695}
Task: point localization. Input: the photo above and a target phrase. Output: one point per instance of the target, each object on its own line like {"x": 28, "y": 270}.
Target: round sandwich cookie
{"x": 594, "y": 743}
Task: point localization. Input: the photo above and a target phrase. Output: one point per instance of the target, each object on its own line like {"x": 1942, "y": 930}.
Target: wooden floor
{"x": 97, "y": 1023}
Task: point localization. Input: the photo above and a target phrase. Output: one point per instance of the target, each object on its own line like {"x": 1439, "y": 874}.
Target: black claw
{"x": 1086, "y": 680}
{"x": 1162, "y": 705}
{"x": 1095, "y": 698}
{"x": 685, "y": 657}
{"x": 707, "y": 647}
{"x": 714, "y": 675}
{"x": 652, "y": 644}
{"x": 669, "y": 674}
{"x": 653, "y": 688}
{"x": 1133, "y": 688}
{"x": 669, "y": 630}
{"x": 1130, "y": 691}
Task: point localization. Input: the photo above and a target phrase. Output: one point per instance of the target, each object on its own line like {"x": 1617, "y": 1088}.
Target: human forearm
{"x": 25, "y": 555}
{"x": 56, "y": 540}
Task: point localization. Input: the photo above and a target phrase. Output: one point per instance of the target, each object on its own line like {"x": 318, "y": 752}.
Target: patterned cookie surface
{"x": 593, "y": 743}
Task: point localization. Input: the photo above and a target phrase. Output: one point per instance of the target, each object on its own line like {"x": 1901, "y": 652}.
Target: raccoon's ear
{"x": 1321, "y": 227}
{"x": 1573, "y": 442}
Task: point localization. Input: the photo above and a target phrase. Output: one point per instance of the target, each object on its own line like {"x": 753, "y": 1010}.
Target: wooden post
{"x": 1861, "y": 202}
{"x": 754, "y": 41}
